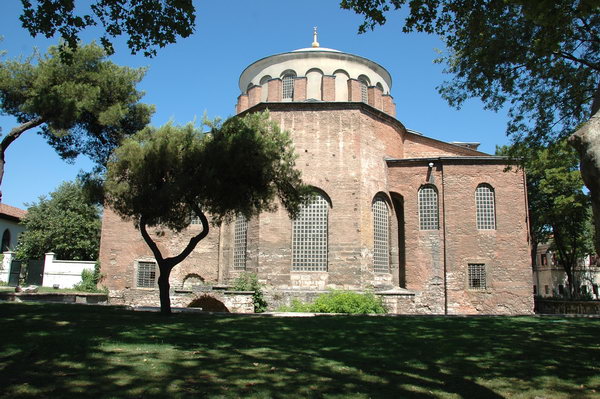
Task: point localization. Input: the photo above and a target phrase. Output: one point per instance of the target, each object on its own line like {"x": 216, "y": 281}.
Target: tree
{"x": 559, "y": 210}
{"x": 84, "y": 106}
{"x": 147, "y": 23}
{"x": 161, "y": 177}
{"x": 65, "y": 223}
{"x": 541, "y": 57}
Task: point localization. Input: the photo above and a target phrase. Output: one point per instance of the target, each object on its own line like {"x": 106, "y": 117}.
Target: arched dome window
{"x": 287, "y": 84}
{"x": 364, "y": 84}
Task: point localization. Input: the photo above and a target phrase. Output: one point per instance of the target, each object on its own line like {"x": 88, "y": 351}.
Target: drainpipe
{"x": 444, "y": 240}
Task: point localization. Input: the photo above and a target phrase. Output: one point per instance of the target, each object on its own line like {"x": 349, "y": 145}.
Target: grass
{"x": 68, "y": 351}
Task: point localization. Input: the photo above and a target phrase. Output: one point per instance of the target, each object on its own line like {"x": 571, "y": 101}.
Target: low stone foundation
{"x": 232, "y": 301}
{"x": 553, "y": 306}
{"x": 89, "y": 298}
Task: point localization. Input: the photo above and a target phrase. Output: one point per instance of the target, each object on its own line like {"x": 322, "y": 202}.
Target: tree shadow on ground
{"x": 70, "y": 351}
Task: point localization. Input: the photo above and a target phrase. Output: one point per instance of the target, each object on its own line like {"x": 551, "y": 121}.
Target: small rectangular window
{"x": 546, "y": 289}
{"x": 146, "y": 275}
{"x": 477, "y": 277}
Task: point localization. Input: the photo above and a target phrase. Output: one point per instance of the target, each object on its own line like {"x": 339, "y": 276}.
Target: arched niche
{"x": 314, "y": 79}
{"x": 341, "y": 85}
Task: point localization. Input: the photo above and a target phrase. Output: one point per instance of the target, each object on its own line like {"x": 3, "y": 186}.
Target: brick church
{"x": 432, "y": 227}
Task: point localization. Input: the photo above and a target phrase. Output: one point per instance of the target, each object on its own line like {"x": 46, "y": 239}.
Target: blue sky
{"x": 200, "y": 75}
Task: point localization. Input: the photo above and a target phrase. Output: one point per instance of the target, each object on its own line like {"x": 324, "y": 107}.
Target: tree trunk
{"x": 587, "y": 142}
{"x": 12, "y": 136}
{"x": 165, "y": 265}
{"x": 164, "y": 287}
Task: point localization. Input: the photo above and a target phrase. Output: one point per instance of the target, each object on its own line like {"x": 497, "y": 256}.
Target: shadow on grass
{"x": 51, "y": 350}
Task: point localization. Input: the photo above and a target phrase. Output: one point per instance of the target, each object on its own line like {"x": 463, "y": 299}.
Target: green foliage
{"x": 65, "y": 224}
{"x": 165, "y": 174}
{"x": 338, "y": 301}
{"x": 541, "y": 57}
{"x": 559, "y": 209}
{"x": 148, "y": 24}
{"x": 249, "y": 282}
{"x": 162, "y": 176}
{"x": 84, "y": 106}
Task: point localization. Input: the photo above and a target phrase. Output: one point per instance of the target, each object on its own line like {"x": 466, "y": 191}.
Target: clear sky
{"x": 200, "y": 75}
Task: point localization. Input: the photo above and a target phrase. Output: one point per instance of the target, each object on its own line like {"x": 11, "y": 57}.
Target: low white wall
{"x": 5, "y": 266}
{"x": 65, "y": 273}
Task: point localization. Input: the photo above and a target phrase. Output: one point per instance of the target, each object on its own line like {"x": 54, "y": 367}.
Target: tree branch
{"x": 577, "y": 60}
{"x": 153, "y": 247}
{"x": 17, "y": 131}
{"x": 194, "y": 240}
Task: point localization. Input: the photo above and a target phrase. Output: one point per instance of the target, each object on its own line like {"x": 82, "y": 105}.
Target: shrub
{"x": 89, "y": 280}
{"x": 249, "y": 282}
{"x": 338, "y": 301}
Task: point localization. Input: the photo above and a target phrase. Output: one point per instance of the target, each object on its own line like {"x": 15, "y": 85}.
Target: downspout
{"x": 534, "y": 267}
{"x": 444, "y": 240}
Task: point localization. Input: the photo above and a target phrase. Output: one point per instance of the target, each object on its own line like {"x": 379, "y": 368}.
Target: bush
{"x": 249, "y": 282}
{"x": 339, "y": 302}
{"x": 89, "y": 280}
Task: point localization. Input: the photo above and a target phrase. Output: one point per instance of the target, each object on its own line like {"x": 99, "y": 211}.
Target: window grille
{"x": 428, "y": 208}
{"x": 364, "y": 95}
{"x": 477, "y": 279}
{"x": 287, "y": 87}
{"x": 309, "y": 237}
{"x": 195, "y": 219}
{"x": 146, "y": 275}
{"x": 240, "y": 240}
{"x": 486, "y": 213}
{"x": 381, "y": 236}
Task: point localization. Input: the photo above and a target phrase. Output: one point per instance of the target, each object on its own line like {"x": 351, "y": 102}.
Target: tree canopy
{"x": 539, "y": 58}
{"x": 148, "y": 24}
{"x": 160, "y": 177}
{"x": 84, "y": 106}
{"x": 559, "y": 209}
{"x": 65, "y": 223}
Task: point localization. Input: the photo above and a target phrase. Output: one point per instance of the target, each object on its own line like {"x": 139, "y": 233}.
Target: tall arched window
{"x": 309, "y": 236}
{"x": 364, "y": 84}
{"x": 240, "y": 240}
{"x": 6, "y": 240}
{"x": 381, "y": 236}
{"x": 486, "y": 207}
{"x": 428, "y": 208}
{"x": 287, "y": 85}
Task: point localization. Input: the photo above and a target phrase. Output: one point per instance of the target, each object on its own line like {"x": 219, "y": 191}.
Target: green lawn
{"x": 56, "y": 351}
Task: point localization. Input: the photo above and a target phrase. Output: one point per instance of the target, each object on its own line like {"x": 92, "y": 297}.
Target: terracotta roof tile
{"x": 12, "y": 211}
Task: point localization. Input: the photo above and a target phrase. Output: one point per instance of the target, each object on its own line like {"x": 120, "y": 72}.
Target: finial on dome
{"x": 315, "y": 43}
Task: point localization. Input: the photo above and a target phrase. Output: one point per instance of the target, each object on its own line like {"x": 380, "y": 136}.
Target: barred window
{"x": 240, "y": 239}
{"x": 195, "y": 219}
{"x": 146, "y": 275}
{"x": 364, "y": 84}
{"x": 486, "y": 212}
{"x": 309, "y": 236}
{"x": 381, "y": 236}
{"x": 477, "y": 279}
{"x": 287, "y": 85}
{"x": 428, "y": 208}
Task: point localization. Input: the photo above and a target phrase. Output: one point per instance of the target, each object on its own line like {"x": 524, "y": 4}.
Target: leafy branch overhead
{"x": 84, "y": 106}
{"x": 148, "y": 24}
